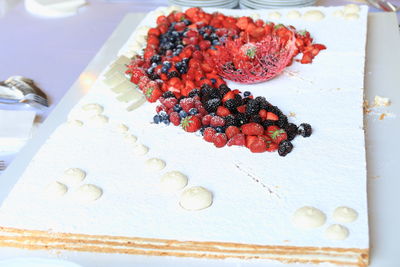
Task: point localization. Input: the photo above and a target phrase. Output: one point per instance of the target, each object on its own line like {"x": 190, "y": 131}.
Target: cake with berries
{"x": 168, "y": 154}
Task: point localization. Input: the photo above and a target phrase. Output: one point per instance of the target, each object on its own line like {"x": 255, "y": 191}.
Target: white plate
{"x": 382, "y": 148}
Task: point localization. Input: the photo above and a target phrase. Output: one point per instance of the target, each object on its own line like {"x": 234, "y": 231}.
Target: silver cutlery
{"x": 384, "y": 5}
{"x": 18, "y": 89}
{"x": 2, "y": 165}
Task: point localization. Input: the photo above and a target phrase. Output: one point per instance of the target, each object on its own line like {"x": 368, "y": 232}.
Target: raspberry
{"x": 174, "y": 118}
{"x": 206, "y": 120}
{"x": 220, "y": 140}
{"x": 209, "y": 134}
{"x": 187, "y": 104}
{"x": 170, "y": 102}
{"x": 217, "y": 121}
{"x": 160, "y": 108}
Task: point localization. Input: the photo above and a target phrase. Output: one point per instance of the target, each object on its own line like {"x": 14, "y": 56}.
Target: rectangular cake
{"x": 111, "y": 179}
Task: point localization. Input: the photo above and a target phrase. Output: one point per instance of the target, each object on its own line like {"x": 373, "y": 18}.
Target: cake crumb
{"x": 292, "y": 114}
{"x": 382, "y": 116}
{"x": 286, "y": 241}
{"x": 380, "y": 101}
{"x": 366, "y": 107}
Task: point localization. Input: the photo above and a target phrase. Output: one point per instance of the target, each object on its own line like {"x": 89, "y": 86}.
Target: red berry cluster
{"x": 177, "y": 69}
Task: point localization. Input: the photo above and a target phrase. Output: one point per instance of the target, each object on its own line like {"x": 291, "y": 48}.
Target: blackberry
{"x": 252, "y": 107}
{"x": 285, "y": 147}
{"x": 239, "y": 100}
{"x": 194, "y": 92}
{"x": 172, "y": 74}
{"x": 304, "y": 130}
{"x": 256, "y": 118}
{"x": 241, "y": 119}
{"x": 209, "y": 92}
{"x": 264, "y": 104}
{"x": 231, "y": 104}
{"x": 168, "y": 94}
{"x": 155, "y": 59}
{"x": 153, "y": 76}
{"x": 291, "y": 131}
{"x": 219, "y": 129}
{"x": 283, "y": 121}
{"x": 267, "y": 123}
{"x": 230, "y": 120}
{"x": 212, "y": 105}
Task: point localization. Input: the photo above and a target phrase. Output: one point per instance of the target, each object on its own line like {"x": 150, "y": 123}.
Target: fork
{"x": 31, "y": 93}
{"x": 2, "y": 165}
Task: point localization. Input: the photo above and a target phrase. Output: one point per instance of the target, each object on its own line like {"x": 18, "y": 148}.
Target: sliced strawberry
{"x": 250, "y": 139}
{"x": 208, "y": 134}
{"x": 252, "y": 128}
{"x": 220, "y": 140}
{"x": 272, "y": 116}
{"x": 237, "y": 140}
{"x": 263, "y": 113}
{"x": 231, "y": 131}
{"x": 223, "y": 111}
{"x": 191, "y": 124}
{"x": 227, "y": 96}
{"x": 241, "y": 109}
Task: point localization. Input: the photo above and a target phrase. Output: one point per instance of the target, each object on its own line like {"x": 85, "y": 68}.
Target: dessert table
{"x": 56, "y": 52}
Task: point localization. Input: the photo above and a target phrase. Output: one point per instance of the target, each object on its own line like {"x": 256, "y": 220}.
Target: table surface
{"x": 47, "y": 42}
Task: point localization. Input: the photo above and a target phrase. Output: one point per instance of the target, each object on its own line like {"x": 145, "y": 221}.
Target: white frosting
{"x": 98, "y": 120}
{"x": 308, "y": 217}
{"x": 87, "y": 193}
{"x": 121, "y": 128}
{"x": 338, "y": 13}
{"x": 336, "y": 232}
{"x": 345, "y": 215}
{"x": 173, "y": 181}
{"x": 351, "y": 16}
{"x": 141, "y": 149}
{"x": 196, "y": 198}
{"x": 131, "y": 139}
{"x": 114, "y": 79}
{"x": 92, "y": 109}
{"x": 155, "y": 164}
{"x": 73, "y": 176}
{"x": 267, "y": 208}
{"x": 255, "y": 16}
{"x": 274, "y": 15}
{"x": 313, "y": 15}
{"x": 351, "y": 9}
{"x": 293, "y": 14}
{"x": 55, "y": 189}
{"x": 75, "y": 123}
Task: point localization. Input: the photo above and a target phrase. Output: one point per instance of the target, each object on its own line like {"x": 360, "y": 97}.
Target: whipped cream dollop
{"x": 173, "y": 181}
{"x": 92, "y": 109}
{"x": 336, "y": 232}
{"x": 155, "y": 164}
{"x": 73, "y": 176}
{"x": 98, "y": 120}
{"x": 351, "y": 8}
{"x": 88, "y": 193}
{"x": 131, "y": 139}
{"x": 75, "y": 123}
{"x": 313, "y": 15}
{"x": 140, "y": 150}
{"x": 345, "y": 214}
{"x": 308, "y": 217}
{"x": 196, "y": 198}
{"x": 274, "y": 15}
{"x": 293, "y": 14}
{"x": 120, "y": 128}
{"x": 56, "y": 189}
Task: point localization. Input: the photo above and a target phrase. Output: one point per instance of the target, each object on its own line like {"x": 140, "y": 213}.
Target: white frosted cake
{"x": 110, "y": 180}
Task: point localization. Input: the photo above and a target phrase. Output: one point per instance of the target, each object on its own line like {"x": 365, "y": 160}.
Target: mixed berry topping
{"x": 184, "y": 65}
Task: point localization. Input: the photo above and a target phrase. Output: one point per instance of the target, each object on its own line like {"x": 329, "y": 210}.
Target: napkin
{"x": 15, "y": 129}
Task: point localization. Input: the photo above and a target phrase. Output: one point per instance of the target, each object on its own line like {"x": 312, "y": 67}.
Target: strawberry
{"x": 231, "y": 131}
{"x": 250, "y": 139}
{"x": 191, "y": 124}
{"x": 208, "y": 134}
{"x": 219, "y": 140}
{"x": 252, "y": 128}
{"x": 306, "y": 59}
{"x": 237, "y": 140}
{"x": 217, "y": 121}
{"x": 227, "y": 96}
{"x": 223, "y": 111}
{"x": 152, "y": 92}
{"x": 272, "y": 116}
{"x": 206, "y": 120}
{"x": 319, "y": 46}
{"x": 175, "y": 118}
{"x": 187, "y": 104}
{"x": 277, "y": 134}
{"x": 170, "y": 102}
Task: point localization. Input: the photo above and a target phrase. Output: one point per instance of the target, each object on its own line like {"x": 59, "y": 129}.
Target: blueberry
{"x": 162, "y": 113}
{"x": 177, "y": 108}
{"x": 164, "y": 69}
{"x": 219, "y": 129}
{"x": 157, "y": 119}
{"x": 167, "y": 64}
{"x": 182, "y": 114}
{"x": 202, "y": 129}
{"x": 193, "y": 111}
{"x": 213, "y": 80}
{"x": 246, "y": 94}
{"x": 285, "y": 147}
{"x": 304, "y": 130}
{"x": 155, "y": 59}
{"x": 187, "y": 22}
{"x": 166, "y": 121}
{"x": 216, "y": 42}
